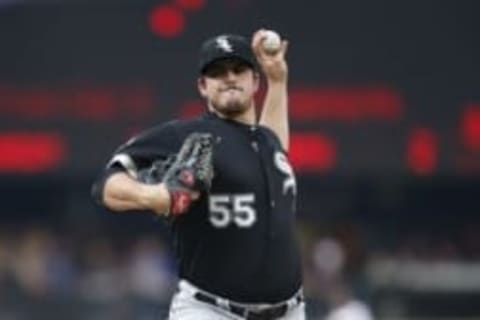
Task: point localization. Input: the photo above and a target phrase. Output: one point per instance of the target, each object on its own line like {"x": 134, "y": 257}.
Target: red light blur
{"x": 94, "y": 104}
{"x": 422, "y": 151}
{"x": 167, "y": 21}
{"x": 78, "y": 102}
{"x": 191, "y": 5}
{"x": 25, "y": 152}
{"x": 470, "y": 127}
{"x": 346, "y": 104}
{"x": 191, "y": 109}
{"x": 310, "y": 152}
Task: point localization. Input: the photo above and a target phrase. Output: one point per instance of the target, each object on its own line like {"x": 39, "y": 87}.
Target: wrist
{"x": 280, "y": 83}
{"x": 156, "y": 198}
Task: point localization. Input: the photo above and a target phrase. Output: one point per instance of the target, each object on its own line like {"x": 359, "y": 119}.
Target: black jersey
{"x": 237, "y": 241}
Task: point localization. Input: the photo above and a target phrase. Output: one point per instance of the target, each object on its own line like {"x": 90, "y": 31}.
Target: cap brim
{"x": 229, "y": 57}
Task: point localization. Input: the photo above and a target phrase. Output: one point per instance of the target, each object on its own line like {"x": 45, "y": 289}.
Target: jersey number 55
{"x": 238, "y": 209}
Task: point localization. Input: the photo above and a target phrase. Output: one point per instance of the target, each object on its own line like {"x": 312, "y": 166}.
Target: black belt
{"x": 269, "y": 313}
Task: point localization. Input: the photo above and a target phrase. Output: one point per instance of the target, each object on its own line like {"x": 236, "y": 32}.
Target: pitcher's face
{"x": 229, "y": 86}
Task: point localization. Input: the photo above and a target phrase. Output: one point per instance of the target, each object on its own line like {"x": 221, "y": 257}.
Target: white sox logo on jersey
{"x": 283, "y": 165}
{"x": 222, "y": 43}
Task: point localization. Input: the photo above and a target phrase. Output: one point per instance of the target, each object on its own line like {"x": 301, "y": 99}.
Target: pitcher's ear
{"x": 201, "y": 86}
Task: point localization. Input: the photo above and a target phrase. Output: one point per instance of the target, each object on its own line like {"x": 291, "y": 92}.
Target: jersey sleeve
{"x": 139, "y": 153}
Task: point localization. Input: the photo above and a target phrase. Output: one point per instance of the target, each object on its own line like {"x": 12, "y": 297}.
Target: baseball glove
{"x": 155, "y": 173}
{"x": 185, "y": 174}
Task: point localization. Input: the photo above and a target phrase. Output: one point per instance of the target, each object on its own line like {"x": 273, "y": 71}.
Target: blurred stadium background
{"x": 385, "y": 110}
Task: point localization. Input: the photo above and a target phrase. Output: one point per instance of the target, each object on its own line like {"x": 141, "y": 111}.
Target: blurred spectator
{"x": 31, "y": 259}
{"x": 329, "y": 259}
{"x": 345, "y": 307}
{"x": 150, "y": 275}
{"x": 103, "y": 278}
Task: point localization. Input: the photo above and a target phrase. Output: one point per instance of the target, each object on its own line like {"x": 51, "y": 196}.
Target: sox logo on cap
{"x": 222, "y": 43}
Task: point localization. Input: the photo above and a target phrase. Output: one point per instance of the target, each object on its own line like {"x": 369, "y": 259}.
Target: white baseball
{"x": 271, "y": 42}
